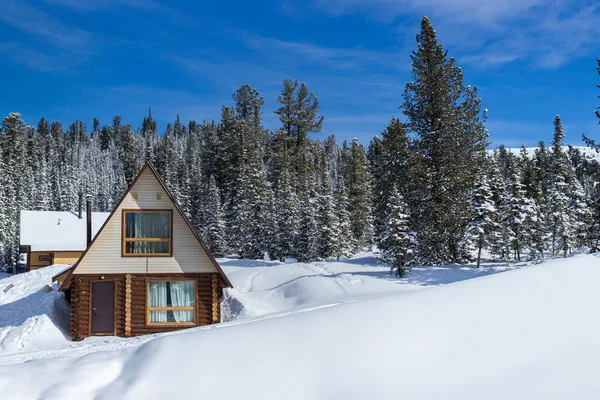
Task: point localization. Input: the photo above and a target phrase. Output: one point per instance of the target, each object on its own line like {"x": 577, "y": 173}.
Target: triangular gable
{"x": 183, "y": 224}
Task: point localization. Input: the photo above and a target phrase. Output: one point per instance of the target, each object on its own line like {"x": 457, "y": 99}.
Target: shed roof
{"x": 57, "y": 230}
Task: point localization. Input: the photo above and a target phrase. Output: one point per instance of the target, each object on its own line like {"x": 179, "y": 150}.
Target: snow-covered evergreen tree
{"x": 326, "y": 219}
{"x": 446, "y": 119}
{"x": 482, "y": 218}
{"x": 359, "y": 196}
{"x": 397, "y": 242}
{"x": 213, "y": 227}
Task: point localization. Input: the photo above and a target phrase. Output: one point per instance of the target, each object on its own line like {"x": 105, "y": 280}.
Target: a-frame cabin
{"x": 146, "y": 271}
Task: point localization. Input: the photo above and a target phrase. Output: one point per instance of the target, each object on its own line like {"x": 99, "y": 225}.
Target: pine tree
{"x": 482, "y": 217}
{"x": 149, "y": 139}
{"x": 498, "y": 197}
{"x": 129, "y": 155}
{"x": 12, "y": 140}
{"x": 213, "y": 225}
{"x": 516, "y": 211}
{"x": 327, "y": 222}
{"x": 347, "y": 242}
{"x": 397, "y": 242}
{"x": 288, "y": 218}
{"x": 359, "y": 197}
{"x": 393, "y": 171}
{"x": 450, "y": 140}
{"x": 560, "y": 217}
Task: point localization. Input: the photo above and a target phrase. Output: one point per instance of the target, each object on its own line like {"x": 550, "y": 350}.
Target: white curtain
{"x": 158, "y": 298}
{"x": 147, "y": 225}
{"x": 172, "y": 294}
{"x": 182, "y": 295}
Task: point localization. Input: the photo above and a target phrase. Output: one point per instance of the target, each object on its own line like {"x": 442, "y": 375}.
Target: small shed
{"x": 56, "y": 237}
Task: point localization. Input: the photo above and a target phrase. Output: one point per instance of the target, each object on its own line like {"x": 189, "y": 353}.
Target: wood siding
{"x": 56, "y": 257}
{"x": 66, "y": 257}
{"x": 104, "y": 257}
{"x": 36, "y": 263}
{"x": 130, "y": 309}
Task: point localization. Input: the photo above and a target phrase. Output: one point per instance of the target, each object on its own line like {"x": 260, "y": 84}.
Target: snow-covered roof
{"x": 57, "y": 230}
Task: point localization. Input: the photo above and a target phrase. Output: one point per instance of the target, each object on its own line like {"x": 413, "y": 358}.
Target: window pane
{"x": 172, "y": 294}
{"x": 158, "y": 316}
{"x": 147, "y": 225}
{"x": 147, "y": 247}
{"x": 181, "y": 294}
{"x": 158, "y": 294}
{"x": 174, "y": 316}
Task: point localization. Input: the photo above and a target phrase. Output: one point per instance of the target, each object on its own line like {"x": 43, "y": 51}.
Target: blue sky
{"x": 79, "y": 59}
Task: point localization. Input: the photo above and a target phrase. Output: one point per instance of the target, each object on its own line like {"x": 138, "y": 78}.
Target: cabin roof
{"x": 148, "y": 166}
{"x": 57, "y": 230}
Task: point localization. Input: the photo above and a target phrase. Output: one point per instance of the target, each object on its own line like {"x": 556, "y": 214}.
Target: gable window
{"x": 147, "y": 233}
{"x": 171, "y": 302}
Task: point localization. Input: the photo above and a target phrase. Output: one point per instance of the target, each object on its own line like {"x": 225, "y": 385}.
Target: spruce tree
{"x": 347, "y": 241}
{"x": 288, "y": 219}
{"x": 517, "y": 210}
{"x": 445, "y": 117}
{"x": 393, "y": 171}
{"x": 12, "y": 139}
{"x": 482, "y": 217}
{"x": 213, "y": 225}
{"x": 326, "y": 220}
{"x": 359, "y": 196}
{"x": 562, "y": 227}
{"x": 397, "y": 242}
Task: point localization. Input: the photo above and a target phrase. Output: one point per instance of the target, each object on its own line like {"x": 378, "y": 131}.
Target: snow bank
{"x": 265, "y": 287}
{"x": 33, "y": 315}
{"x": 529, "y": 333}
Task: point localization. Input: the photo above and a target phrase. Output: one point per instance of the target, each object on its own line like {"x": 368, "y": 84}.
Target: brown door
{"x": 103, "y": 307}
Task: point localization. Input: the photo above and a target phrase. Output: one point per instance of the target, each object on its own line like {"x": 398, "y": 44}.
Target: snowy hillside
{"x": 32, "y": 314}
{"x": 585, "y": 150}
{"x": 346, "y": 330}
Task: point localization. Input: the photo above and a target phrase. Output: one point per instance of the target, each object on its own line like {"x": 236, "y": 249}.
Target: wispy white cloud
{"x": 335, "y": 57}
{"x": 157, "y": 8}
{"x": 349, "y": 82}
{"x": 60, "y": 61}
{"x": 491, "y": 33}
{"x": 479, "y": 11}
{"x": 33, "y": 21}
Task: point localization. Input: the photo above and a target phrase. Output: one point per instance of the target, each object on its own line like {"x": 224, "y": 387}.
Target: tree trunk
{"x": 479, "y": 252}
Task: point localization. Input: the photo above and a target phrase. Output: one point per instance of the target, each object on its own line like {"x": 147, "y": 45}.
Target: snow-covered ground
{"x": 586, "y": 151}
{"x": 331, "y": 330}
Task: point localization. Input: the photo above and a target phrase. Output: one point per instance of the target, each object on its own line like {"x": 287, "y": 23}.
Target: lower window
{"x": 171, "y": 302}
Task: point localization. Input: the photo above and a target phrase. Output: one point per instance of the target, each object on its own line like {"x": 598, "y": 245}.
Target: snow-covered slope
{"x": 33, "y": 315}
{"x": 264, "y": 287}
{"x": 529, "y": 333}
{"x": 586, "y": 151}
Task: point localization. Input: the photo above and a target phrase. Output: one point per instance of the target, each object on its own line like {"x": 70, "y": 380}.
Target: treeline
{"x": 426, "y": 192}
{"x": 247, "y": 190}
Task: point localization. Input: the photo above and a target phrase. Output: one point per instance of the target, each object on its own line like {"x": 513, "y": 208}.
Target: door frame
{"x": 114, "y": 332}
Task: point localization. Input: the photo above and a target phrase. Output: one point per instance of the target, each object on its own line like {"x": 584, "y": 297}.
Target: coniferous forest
{"x": 425, "y": 191}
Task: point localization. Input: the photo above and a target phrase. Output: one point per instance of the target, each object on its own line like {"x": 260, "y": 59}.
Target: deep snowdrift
{"x": 530, "y": 333}
{"x": 32, "y": 314}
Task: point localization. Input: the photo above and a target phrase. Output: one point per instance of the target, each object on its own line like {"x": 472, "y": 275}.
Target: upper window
{"x": 147, "y": 233}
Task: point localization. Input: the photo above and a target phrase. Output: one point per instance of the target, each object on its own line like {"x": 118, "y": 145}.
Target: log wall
{"x": 131, "y": 300}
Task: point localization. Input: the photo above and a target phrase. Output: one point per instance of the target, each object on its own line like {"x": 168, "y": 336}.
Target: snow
{"x": 57, "y": 230}
{"x": 32, "y": 314}
{"x": 586, "y": 151}
{"x": 338, "y": 330}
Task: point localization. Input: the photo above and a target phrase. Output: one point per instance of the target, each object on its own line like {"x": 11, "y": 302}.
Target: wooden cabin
{"x": 146, "y": 271}
{"x": 56, "y": 237}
